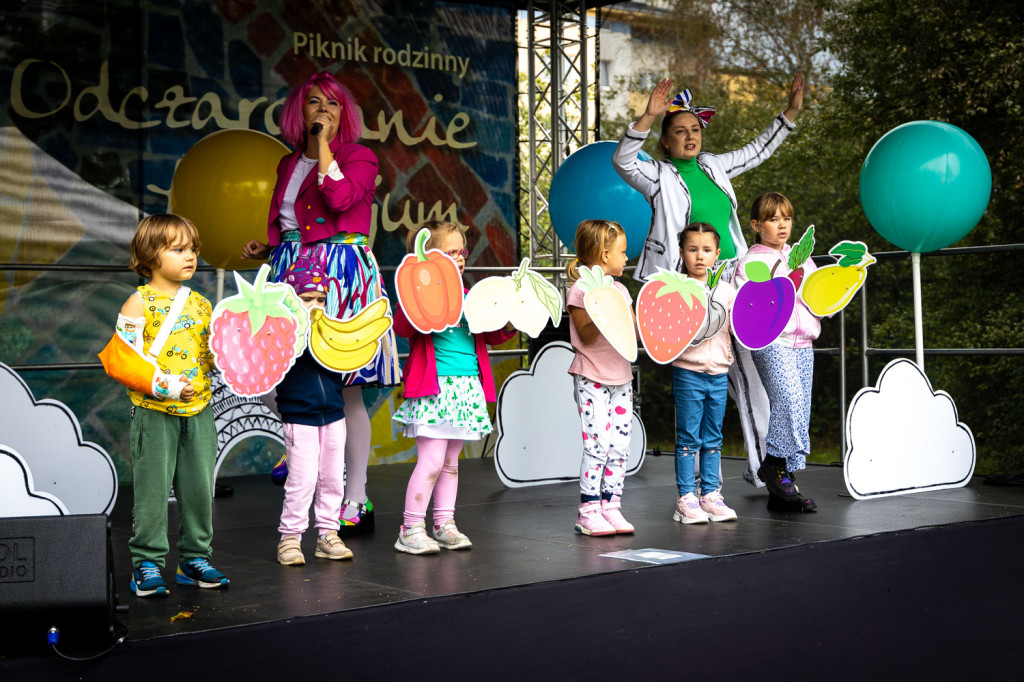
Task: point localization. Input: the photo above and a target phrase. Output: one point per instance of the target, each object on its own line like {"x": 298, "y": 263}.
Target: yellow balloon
{"x": 224, "y": 185}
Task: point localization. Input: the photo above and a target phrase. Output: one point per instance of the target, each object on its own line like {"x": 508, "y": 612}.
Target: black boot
{"x": 800, "y": 504}
{"x": 773, "y": 472}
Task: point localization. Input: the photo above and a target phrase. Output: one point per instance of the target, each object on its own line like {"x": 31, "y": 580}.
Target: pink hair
{"x": 293, "y": 125}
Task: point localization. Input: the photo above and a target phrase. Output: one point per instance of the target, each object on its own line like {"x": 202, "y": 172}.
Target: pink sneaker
{"x": 610, "y": 512}
{"x": 590, "y": 520}
{"x": 713, "y": 504}
{"x": 688, "y": 510}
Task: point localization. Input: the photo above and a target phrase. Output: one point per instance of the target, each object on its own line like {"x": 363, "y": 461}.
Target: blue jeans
{"x": 700, "y": 409}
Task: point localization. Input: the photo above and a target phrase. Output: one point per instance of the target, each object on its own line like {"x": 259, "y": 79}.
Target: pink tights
{"x": 437, "y": 472}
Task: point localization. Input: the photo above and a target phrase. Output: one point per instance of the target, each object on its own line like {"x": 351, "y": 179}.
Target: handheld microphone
{"x": 315, "y": 129}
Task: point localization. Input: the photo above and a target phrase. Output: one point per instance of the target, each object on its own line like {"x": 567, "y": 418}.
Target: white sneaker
{"x": 688, "y": 510}
{"x": 415, "y": 540}
{"x": 449, "y": 537}
{"x": 713, "y": 504}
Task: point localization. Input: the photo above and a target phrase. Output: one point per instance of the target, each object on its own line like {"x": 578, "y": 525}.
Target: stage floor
{"x": 520, "y": 536}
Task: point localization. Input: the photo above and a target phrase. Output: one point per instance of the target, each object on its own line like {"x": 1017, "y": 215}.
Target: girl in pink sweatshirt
{"x": 700, "y": 382}
{"x": 448, "y": 384}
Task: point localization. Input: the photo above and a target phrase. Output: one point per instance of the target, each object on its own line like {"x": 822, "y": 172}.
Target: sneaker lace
{"x": 148, "y": 572}
{"x": 200, "y": 564}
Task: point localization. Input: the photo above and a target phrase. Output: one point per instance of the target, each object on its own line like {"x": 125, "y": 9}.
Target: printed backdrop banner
{"x": 101, "y": 100}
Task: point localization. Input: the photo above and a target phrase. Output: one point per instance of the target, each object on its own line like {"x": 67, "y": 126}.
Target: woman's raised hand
{"x": 661, "y": 97}
{"x": 256, "y": 250}
{"x": 796, "y": 97}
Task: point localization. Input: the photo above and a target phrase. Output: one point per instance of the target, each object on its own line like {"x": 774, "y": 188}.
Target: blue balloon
{"x": 925, "y": 185}
{"x": 586, "y": 187}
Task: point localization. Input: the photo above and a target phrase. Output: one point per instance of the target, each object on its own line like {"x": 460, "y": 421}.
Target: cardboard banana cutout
{"x": 352, "y": 343}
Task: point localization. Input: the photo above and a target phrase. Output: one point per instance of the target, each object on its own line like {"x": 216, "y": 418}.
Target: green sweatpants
{"x": 168, "y": 449}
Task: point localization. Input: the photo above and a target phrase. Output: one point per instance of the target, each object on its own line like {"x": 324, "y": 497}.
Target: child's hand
{"x": 188, "y": 390}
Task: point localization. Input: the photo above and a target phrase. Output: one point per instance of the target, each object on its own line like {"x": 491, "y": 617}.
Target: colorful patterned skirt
{"x": 458, "y": 412}
{"x": 347, "y": 258}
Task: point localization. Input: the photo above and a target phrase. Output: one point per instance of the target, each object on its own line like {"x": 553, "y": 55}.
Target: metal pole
{"x": 915, "y": 265}
{"x": 220, "y": 285}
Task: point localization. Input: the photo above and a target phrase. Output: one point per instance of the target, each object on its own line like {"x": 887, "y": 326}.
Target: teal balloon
{"x": 586, "y": 187}
{"x": 925, "y": 185}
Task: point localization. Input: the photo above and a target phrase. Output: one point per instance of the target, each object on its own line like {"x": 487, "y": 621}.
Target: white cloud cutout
{"x": 539, "y": 424}
{"x": 18, "y": 496}
{"x": 903, "y": 437}
{"x": 48, "y": 438}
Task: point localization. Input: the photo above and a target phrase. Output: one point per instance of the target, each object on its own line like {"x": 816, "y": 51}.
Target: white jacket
{"x": 660, "y": 183}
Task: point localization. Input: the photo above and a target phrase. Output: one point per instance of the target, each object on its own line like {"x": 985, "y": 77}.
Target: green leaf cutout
{"x": 803, "y": 249}
{"x": 850, "y": 253}
{"x": 757, "y": 271}
{"x": 259, "y": 302}
{"x": 547, "y": 294}
{"x": 593, "y": 278}
{"x": 689, "y": 289}
{"x": 715, "y": 276}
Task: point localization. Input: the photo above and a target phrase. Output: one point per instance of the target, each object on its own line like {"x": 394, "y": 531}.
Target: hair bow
{"x": 682, "y": 103}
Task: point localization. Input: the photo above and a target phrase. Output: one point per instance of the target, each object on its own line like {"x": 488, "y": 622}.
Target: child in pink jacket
{"x": 448, "y": 383}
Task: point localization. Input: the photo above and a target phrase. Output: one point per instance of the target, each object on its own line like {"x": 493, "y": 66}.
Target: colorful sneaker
{"x": 356, "y": 518}
{"x": 688, "y": 510}
{"x": 147, "y": 581}
{"x": 198, "y": 571}
{"x": 773, "y": 472}
{"x": 713, "y": 504}
{"x": 449, "y": 537}
{"x": 289, "y": 551}
{"x": 279, "y": 474}
{"x": 415, "y": 540}
{"x": 610, "y": 512}
{"x": 330, "y": 546}
{"x": 590, "y": 520}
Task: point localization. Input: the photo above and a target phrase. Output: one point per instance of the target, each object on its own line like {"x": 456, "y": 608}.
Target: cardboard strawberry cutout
{"x": 670, "y": 310}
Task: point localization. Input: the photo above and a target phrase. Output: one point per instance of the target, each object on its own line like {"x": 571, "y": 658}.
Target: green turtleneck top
{"x": 709, "y": 204}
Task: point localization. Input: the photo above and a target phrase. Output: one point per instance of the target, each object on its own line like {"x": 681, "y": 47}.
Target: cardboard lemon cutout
{"x": 609, "y": 310}
{"x": 526, "y": 299}
{"x": 829, "y": 289}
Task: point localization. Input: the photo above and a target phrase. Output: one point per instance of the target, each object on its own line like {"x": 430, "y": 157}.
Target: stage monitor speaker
{"x": 55, "y": 571}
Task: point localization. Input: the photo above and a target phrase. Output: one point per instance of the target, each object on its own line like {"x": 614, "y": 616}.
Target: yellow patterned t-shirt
{"x": 187, "y": 351}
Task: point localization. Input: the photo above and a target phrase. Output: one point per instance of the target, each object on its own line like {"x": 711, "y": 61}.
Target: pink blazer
{"x": 420, "y": 372}
{"x": 335, "y": 206}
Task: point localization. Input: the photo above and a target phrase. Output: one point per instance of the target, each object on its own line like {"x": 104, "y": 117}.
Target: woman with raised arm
{"x": 689, "y": 185}
{"x": 321, "y": 211}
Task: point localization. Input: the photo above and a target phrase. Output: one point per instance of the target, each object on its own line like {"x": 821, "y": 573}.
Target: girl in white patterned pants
{"x": 607, "y": 415}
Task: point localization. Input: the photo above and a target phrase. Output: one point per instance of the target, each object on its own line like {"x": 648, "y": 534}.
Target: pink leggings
{"x": 437, "y": 473}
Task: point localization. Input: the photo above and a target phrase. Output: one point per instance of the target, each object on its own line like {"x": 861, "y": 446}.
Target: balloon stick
{"x": 915, "y": 265}
{"x": 220, "y": 285}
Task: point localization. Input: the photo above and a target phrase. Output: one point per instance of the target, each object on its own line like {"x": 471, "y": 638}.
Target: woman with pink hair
{"x": 321, "y": 212}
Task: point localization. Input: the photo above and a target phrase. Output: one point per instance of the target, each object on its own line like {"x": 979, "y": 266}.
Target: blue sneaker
{"x": 147, "y": 581}
{"x": 199, "y": 572}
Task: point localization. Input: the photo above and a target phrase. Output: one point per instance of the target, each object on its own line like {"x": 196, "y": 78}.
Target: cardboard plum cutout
{"x": 526, "y": 299}
{"x": 609, "y": 310}
{"x": 429, "y": 288}
{"x": 763, "y": 307}
{"x": 671, "y": 309}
